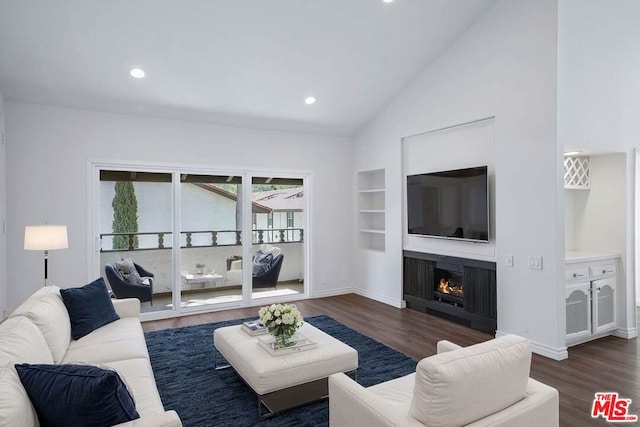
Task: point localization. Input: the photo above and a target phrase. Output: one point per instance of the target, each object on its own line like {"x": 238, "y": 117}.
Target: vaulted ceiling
{"x": 240, "y": 62}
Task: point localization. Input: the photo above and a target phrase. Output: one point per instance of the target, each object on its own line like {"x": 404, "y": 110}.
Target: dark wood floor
{"x": 607, "y": 364}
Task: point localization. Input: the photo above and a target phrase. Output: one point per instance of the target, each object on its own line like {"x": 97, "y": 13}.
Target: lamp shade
{"x": 45, "y": 237}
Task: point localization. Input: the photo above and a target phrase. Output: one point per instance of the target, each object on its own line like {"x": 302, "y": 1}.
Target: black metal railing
{"x": 200, "y": 239}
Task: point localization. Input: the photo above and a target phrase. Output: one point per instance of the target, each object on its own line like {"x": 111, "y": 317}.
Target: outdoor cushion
{"x": 128, "y": 271}
{"x": 262, "y": 263}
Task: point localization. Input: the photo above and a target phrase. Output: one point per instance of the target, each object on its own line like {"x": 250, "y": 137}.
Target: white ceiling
{"x": 240, "y": 62}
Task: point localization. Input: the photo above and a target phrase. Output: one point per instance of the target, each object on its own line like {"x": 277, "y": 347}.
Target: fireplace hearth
{"x": 459, "y": 289}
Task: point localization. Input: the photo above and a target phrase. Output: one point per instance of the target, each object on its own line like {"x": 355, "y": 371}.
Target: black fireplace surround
{"x": 460, "y": 289}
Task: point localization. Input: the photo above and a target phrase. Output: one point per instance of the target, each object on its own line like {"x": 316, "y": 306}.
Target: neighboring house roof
{"x": 287, "y": 199}
{"x": 255, "y": 208}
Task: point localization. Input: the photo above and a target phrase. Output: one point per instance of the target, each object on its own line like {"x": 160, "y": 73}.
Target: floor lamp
{"x": 45, "y": 238}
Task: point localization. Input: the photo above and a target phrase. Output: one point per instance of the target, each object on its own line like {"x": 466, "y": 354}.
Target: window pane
{"x": 135, "y": 224}
{"x": 278, "y": 236}
{"x": 211, "y": 239}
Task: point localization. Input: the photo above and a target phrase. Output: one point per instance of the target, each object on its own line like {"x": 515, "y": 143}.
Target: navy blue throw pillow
{"x": 89, "y": 307}
{"x": 77, "y": 395}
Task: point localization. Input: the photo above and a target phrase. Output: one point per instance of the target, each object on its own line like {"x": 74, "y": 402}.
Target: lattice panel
{"x": 576, "y": 173}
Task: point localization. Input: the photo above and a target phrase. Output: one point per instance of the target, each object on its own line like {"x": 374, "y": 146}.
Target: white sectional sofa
{"x": 486, "y": 384}
{"x": 39, "y": 332}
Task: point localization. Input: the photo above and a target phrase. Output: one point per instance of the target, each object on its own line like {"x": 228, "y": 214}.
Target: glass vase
{"x": 284, "y": 340}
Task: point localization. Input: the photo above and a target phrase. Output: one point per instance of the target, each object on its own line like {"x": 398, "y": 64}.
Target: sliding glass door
{"x": 278, "y": 249}
{"x": 210, "y": 239}
{"x": 183, "y": 240}
{"x": 135, "y": 226}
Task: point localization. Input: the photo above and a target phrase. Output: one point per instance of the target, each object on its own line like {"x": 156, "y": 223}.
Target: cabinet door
{"x": 604, "y": 305}
{"x": 578, "y": 306}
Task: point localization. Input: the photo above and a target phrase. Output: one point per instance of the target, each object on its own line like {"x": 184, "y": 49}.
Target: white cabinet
{"x": 604, "y": 301}
{"x": 578, "y": 303}
{"x": 371, "y": 209}
{"x": 590, "y": 297}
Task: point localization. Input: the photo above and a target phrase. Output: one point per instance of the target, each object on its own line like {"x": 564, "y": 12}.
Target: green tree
{"x": 125, "y": 214}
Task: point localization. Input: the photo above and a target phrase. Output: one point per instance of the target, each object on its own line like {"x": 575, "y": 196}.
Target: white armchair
{"x": 486, "y": 384}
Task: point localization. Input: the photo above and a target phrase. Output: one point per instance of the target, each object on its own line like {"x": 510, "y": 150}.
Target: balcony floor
{"x": 196, "y": 298}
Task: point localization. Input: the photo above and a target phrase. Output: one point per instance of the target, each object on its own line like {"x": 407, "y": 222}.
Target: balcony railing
{"x": 200, "y": 239}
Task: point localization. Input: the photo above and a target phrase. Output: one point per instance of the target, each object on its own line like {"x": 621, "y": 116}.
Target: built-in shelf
{"x": 371, "y": 209}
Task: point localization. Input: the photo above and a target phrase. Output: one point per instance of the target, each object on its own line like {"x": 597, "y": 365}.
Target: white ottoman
{"x": 288, "y": 380}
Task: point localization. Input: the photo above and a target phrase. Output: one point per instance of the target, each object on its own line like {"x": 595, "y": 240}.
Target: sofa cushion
{"x": 77, "y": 395}
{"x": 139, "y": 376}
{"x": 119, "y": 340}
{"x": 47, "y": 311}
{"x": 22, "y": 341}
{"x": 487, "y": 377}
{"x": 15, "y": 407}
{"x": 89, "y": 307}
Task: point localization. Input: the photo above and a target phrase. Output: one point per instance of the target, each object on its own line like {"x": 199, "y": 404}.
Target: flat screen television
{"x": 452, "y": 204}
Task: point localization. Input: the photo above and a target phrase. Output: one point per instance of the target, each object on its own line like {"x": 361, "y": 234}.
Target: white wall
{"x": 504, "y": 66}
{"x": 3, "y": 216}
{"x": 49, "y": 148}
{"x": 599, "y": 99}
{"x": 600, "y": 213}
{"x": 473, "y": 145}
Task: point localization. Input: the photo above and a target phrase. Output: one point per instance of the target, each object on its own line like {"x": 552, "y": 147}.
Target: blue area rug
{"x": 183, "y": 365}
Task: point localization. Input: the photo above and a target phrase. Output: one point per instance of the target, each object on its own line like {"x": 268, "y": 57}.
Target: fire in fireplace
{"x": 449, "y": 286}
{"x": 446, "y": 287}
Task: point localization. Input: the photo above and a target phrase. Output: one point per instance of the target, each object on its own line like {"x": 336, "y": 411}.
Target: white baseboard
{"x": 332, "y": 292}
{"x": 627, "y": 333}
{"x": 554, "y": 353}
{"x": 362, "y": 292}
{"x": 560, "y": 353}
{"x": 380, "y": 298}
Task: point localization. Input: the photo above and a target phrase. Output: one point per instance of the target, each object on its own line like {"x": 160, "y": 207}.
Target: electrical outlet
{"x": 535, "y": 262}
{"x": 509, "y": 261}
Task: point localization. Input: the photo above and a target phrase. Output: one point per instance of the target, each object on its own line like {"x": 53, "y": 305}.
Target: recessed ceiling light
{"x": 137, "y": 73}
{"x": 387, "y": 1}
{"x": 310, "y": 100}
{"x": 572, "y": 153}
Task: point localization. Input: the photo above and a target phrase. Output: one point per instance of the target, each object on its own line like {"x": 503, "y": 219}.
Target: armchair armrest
{"x": 350, "y": 404}
{"x": 143, "y": 272}
{"x": 444, "y": 346}
{"x": 127, "y": 307}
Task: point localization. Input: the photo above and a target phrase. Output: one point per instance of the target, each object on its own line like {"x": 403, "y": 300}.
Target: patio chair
{"x": 269, "y": 278}
{"x": 123, "y": 289}
{"x": 265, "y": 279}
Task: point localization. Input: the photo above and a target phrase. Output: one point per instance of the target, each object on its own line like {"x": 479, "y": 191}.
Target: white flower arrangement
{"x": 282, "y": 321}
